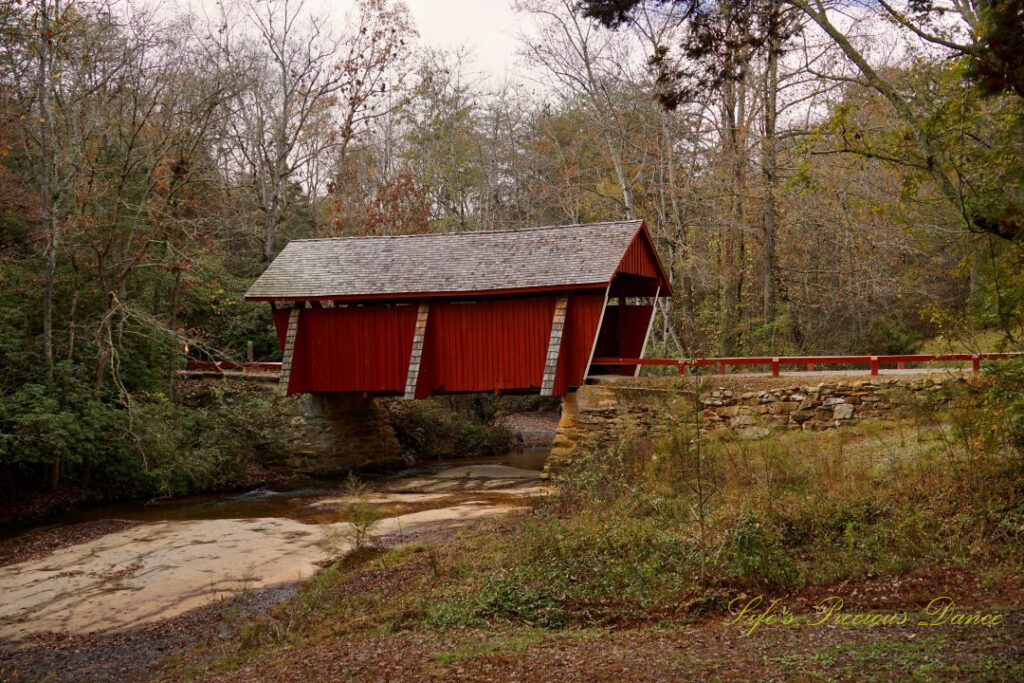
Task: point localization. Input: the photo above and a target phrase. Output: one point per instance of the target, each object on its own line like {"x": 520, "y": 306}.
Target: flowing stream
{"x": 182, "y": 554}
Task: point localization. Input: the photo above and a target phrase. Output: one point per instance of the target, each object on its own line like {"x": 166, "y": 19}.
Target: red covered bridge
{"x": 505, "y": 311}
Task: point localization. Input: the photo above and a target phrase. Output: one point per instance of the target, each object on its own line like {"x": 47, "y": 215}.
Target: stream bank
{"x": 172, "y": 563}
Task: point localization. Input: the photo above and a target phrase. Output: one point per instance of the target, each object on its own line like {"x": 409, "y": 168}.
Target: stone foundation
{"x": 822, "y": 406}
{"x": 336, "y": 432}
{"x": 315, "y": 434}
{"x": 601, "y": 415}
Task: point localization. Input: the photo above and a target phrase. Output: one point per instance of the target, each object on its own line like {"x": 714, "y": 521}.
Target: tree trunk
{"x": 46, "y": 211}
{"x": 769, "y": 171}
{"x": 72, "y": 315}
{"x": 175, "y": 288}
{"x": 732, "y": 246}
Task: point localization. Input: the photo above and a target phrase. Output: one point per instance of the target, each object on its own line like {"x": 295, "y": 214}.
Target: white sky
{"x": 488, "y": 30}
{"x": 487, "y": 27}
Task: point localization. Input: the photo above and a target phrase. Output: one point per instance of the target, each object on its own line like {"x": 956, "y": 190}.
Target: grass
{"x": 647, "y": 535}
{"x": 903, "y": 658}
{"x": 971, "y": 341}
{"x": 489, "y": 645}
{"x": 623, "y": 541}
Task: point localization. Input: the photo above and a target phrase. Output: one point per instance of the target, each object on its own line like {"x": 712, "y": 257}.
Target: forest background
{"x": 820, "y": 177}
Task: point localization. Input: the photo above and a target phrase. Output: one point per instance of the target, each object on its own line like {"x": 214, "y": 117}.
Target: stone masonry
{"x": 600, "y": 415}
{"x": 336, "y": 432}
{"x": 822, "y": 406}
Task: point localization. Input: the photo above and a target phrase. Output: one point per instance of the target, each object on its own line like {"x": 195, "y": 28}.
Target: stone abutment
{"x": 610, "y": 411}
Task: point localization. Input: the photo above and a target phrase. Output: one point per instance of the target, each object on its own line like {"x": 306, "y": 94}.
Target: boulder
{"x": 843, "y": 411}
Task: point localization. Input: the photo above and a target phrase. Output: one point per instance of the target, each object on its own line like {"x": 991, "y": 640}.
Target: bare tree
{"x": 309, "y": 91}
{"x": 587, "y": 61}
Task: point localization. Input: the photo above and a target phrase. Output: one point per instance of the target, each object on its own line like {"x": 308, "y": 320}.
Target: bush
{"x": 884, "y": 336}
{"x": 630, "y": 534}
{"x": 434, "y": 429}
{"x": 1006, "y": 397}
{"x": 754, "y": 554}
{"x": 155, "y": 447}
{"x": 577, "y": 572}
{"x": 64, "y": 423}
{"x": 205, "y": 444}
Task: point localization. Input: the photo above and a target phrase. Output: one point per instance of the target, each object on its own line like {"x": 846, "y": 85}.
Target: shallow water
{"x": 188, "y": 553}
{"x": 292, "y": 501}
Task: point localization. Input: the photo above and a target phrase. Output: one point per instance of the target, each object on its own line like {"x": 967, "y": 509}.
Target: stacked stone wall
{"x": 335, "y": 432}
{"x": 821, "y": 406}
{"x": 597, "y": 416}
{"x": 315, "y": 433}
{"x": 600, "y": 415}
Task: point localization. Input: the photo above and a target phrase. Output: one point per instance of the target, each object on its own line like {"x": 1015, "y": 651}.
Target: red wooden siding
{"x": 581, "y": 321}
{"x": 496, "y": 342}
{"x": 640, "y": 259}
{"x": 357, "y": 348}
{"x": 487, "y": 345}
{"x": 622, "y": 336}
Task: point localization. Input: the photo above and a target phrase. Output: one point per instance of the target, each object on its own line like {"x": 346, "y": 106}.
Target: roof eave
{"x": 399, "y": 296}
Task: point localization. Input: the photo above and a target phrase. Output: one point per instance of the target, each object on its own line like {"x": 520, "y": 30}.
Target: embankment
{"x": 611, "y": 410}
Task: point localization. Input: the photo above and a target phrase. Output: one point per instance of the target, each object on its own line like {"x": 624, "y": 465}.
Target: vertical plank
{"x": 416, "y": 355}
{"x": 289, "y": 351}
{"x": 547, "y": 383}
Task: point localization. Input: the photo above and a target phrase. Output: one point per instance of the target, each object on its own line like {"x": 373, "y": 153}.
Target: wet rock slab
{"x": 155, "y": 571}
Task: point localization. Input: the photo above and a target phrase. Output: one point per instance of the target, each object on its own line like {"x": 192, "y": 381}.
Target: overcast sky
{"x": 487, "y": 27}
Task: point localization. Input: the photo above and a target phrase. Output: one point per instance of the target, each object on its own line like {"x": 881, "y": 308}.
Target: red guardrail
{"x": 776, "y": 362}
{"x": 219, "y": 366}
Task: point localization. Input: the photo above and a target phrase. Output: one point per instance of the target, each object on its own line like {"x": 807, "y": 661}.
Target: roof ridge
{"x": 467, "y": 232}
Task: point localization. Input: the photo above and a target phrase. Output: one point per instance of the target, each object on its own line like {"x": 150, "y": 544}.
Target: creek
{"x": 174, "y": 556}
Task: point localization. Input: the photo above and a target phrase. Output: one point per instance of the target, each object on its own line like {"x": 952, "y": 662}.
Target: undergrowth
{"x": 646, "y": 533}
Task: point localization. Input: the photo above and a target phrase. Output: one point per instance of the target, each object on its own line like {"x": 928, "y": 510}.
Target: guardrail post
{"x": 682, "y": 367}
{"x": 976, "y": 362}
{"x": 810, "y": 367}
{"x": 900, "y": 365}
{"x": 721, "y": 367}
{"x": 775, "y": 367}
{"x": 874, "y": 365}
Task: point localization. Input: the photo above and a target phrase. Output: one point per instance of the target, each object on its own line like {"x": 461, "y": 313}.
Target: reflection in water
{"x": 292, "y": 502}
{"x": 529, "y": 459}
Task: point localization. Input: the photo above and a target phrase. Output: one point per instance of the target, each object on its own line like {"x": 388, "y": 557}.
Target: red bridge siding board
{"x": 622, "y": 336}
{"x": 639, "y": 259}
{"x": 354, "y": 349}
{"x": 281, "y": 324}
{"x": 581, "y": 320}
{"x": 486, "y": 346}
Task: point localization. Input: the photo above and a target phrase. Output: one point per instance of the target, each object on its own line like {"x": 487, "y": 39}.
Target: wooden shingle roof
{"x": 452, "y": 263}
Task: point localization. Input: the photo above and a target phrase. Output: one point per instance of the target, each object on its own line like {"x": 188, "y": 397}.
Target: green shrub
{"x": 1006, "y": 397}
{"x": 440, "y": 429}
{"x": 755, "y": 555}
{"x": 886, "y": 336}
{"x": 67, "y": 423}
{"x": 582, "y": 573}
{"x": 154, "y": 447}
